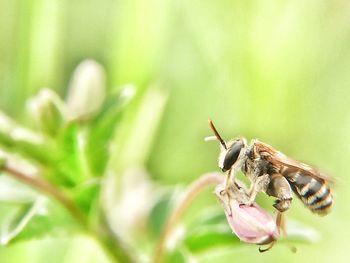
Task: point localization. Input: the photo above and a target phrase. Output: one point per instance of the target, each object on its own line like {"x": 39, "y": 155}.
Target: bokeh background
{"x": 273, "y": 70}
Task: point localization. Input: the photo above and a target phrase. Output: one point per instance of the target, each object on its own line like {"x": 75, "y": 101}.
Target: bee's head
{"x": 230, "y": 151}
{"x": 229, "y": 156}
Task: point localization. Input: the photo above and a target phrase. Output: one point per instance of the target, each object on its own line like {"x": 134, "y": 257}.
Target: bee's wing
{"x": 281, "y": 160}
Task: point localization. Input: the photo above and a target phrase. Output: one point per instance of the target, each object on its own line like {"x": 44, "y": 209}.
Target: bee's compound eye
{"x": 232, "y": 155}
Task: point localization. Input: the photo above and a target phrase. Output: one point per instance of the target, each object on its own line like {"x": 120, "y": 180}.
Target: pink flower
{"x": 250, "y": 223}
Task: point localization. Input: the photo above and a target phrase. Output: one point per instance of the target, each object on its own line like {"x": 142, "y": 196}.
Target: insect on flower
{"x": 274, "y": 173}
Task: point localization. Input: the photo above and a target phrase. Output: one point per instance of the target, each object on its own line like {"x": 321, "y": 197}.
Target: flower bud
{"x": 47, "y": 110}
{"x": 249, "y": 222}
{"x": 87, "y": 90}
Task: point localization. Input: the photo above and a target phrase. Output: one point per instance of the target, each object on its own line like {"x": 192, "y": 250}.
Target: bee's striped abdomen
{"x": 313, "y": 191}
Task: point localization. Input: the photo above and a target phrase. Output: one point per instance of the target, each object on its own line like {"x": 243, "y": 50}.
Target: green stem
{"x": 48, "y": 189}
{"x": 196, "y": 187}
{"x": 109, "y": 241}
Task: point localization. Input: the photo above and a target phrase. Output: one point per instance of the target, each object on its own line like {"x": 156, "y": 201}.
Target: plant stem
{"x": 112, "y": 245}
{"x": 48, "y": 189}
{"x": 196, "y": 187}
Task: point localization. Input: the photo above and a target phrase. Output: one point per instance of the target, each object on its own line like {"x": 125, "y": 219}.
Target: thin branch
{"x": 196, "y": 187}
{"x": 108, "y": 240}
{"x": 48, "y": 189}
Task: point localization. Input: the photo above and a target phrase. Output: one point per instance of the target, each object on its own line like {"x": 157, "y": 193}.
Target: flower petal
{"x": 250, "y": 223}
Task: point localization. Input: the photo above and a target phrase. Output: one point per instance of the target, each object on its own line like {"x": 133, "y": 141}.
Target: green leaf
{"x": 24, "y": 141}
{"x": 102, "y": 128}
{"x": 34, "y": 220}
{"x": 160, "y": 213}
{"x": 85, "y": 195}
{"x": 69, "y": 166}
{"x": 17, "y": 221}
{"x": 177, "y": 256}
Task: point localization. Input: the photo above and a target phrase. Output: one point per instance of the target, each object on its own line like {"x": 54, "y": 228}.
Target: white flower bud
{"x": 87, "y": 90}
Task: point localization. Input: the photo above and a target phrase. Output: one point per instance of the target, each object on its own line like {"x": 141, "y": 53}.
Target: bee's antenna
{"x": 217, "y": 135}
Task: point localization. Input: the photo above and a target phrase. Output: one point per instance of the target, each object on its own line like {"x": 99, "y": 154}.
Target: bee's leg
{"x": 281, "y": 226}
{"x": 280, "y": 188}
{"x": 224, "y": 197}
{"x": 280, "y": 223}
{"x": 231, "y": 174}
{"x": 260, "y": 184}
{"x": 228, "y": 180}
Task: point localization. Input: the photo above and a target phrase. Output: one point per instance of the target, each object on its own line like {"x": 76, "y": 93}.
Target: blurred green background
{"x": 273, "y": 70}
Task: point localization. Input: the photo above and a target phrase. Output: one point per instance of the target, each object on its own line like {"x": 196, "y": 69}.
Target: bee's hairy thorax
{"x": 256, "y": 165}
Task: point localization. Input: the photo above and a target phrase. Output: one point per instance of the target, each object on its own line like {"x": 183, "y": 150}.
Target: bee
{"x": 274, "y": 173}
